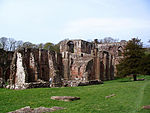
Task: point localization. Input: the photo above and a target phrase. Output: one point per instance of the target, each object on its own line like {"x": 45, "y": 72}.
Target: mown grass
{"x": 129, "y": 97}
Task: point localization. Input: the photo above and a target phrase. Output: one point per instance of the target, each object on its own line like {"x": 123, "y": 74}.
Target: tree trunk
{"x": 134, "y": 77}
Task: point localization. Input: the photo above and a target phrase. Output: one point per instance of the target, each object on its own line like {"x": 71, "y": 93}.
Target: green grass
{"x": 130, "y": 97}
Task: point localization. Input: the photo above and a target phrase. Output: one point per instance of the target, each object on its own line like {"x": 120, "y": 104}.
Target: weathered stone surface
{"x": 142, "y": 79}
{"x": 26, "y": 109}
{"x": 36, "y": 110}
{"x": 110, "y": 96}
{"x": 146, "y": 107}
{"x": 65, "y": 98}
{"x": 5, "y": 61}
{"x": 85, "y": 61}
{"x": 29, "y": 85}
{"x": 78, "y": 63}
{"x": 74, "y": 83}
{"x": 31, "y": 65}
{"x": 1, "y": 82}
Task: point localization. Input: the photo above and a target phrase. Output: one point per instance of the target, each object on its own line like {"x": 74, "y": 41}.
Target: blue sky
{"x": 40, "y": 21}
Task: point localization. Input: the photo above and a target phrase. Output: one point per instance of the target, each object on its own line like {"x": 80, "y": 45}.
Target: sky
{"x": 41, "y": 21}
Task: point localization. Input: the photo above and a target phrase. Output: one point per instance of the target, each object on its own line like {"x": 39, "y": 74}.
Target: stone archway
{"x": 119, "y": 51}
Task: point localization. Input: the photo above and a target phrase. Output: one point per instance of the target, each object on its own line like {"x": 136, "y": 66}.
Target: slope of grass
{"x": 129, "y": 97}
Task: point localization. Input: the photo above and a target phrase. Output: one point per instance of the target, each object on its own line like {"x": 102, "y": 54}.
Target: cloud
{"x": 106, "y": 25}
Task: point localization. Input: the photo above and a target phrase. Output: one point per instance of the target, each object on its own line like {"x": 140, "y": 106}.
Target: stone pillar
{"x": 33, "y": 68}
{"x": 50, "y": 61}
{"x": 40, "y": 53}
{"x": 66, "y": 66}
{"x": 114, "y": 65}
{"x": 106, "y": 65}
{"x": 98, "y": 68}
{"x": 20, "y": 72}
{"x": 111, "y": 68}
{"x": 97, "y": 64}
{"x": 101, "y": 70}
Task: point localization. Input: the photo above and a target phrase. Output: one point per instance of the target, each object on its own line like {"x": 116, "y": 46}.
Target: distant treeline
{"x": 10, "y": 44}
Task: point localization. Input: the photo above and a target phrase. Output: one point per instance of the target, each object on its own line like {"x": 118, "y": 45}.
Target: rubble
{"x": 146, "y": 107}
{"x": 65, "y": 98}
{"x": 27, "y": 109}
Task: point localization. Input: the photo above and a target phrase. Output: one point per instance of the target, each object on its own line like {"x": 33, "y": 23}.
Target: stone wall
{"x": 78, "y": 63}
{"x": 115, "y": 51}
{"x": 86, "y": 61}
{"x": 76, "y": 46}
{"x": 34, "y": 65}
{"x": 5, "y": 60}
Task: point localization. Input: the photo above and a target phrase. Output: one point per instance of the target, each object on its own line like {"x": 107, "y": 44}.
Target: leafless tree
{"x": 108, "y": 40}
{"x": 11, "y": 44}
{"x": 4, "y": 43}
{"x": 19, "y": 44}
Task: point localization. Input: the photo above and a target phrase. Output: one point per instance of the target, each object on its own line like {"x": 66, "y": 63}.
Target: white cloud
{"x": 106, "y": 25}
{"x": 121, "y": 28}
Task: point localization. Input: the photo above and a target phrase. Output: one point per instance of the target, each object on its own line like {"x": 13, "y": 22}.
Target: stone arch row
{"x": 103, "y": 66}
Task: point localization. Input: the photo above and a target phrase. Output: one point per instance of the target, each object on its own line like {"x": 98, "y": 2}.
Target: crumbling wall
{"x": 76, "y": 46}
{"x": 79, "y": 68}
{"x": 115, "y": 51}
{"x": 34, "y": 65}
{"x": 20, "y": 72}
{"x": 78, "y": 63}
{"x": 5, "y": 60}
{"x": 87, "y": 61}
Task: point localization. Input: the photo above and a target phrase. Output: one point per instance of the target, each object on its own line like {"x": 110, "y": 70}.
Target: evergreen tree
{"x": 51, "y": 46}
{"x": 130, "y": 64}
{"x": 145, "y": 65}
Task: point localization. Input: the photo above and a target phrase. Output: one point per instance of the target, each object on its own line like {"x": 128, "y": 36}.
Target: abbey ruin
{"x": 78, "y": 63}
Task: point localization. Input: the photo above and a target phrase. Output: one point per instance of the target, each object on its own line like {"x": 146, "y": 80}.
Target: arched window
{"x": 120, "y": 51}
{"x": 70, "y": 46}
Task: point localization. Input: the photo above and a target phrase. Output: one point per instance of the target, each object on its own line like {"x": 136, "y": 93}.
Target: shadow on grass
{"x": 130, "y": 79}
{"x": 126, "y": 81}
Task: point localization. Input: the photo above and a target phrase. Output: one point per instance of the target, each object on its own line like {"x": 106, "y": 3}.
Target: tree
{"x": 11, "y": 44}
{"x": 4, "y": 63}
{"x": 19, "y": 44}
{"x": 0, "y": 45}
{"x": 29, "y": 45}
{"x": 41, "y": 45}
{"x": 52, "y": 47}
{"x": 56, "y": 47}
{"x": 4, "y": 43}
{"x": 108, "y": 40}
{"x": 130, "y": 64}
{"x": 49, "y": 46}
{"x": 145, "y": 65}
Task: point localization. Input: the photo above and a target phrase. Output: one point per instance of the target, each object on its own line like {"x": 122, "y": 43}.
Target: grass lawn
{"x": 129, "y": 97}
